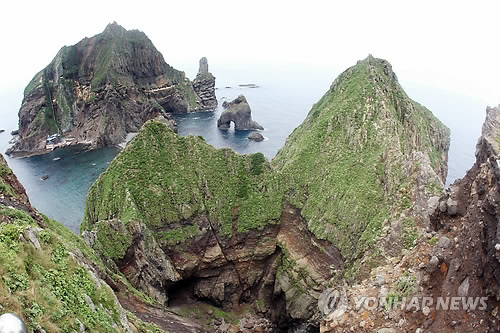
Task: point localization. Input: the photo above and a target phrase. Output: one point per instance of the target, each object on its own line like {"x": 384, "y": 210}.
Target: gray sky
{"x": 452, "y": 45}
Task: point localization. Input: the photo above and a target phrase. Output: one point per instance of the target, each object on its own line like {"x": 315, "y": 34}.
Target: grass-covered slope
{"x": 161, "y": 179}
{"x": 344, "y": 165}
{"x": 50, "y": 276}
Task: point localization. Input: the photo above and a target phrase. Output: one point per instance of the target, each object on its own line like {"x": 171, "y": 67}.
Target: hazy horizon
{"x": 451, "y": 45}
{"x": 446, "y": 54}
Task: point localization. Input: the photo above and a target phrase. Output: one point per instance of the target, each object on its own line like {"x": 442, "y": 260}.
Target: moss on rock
{"x": 162, "y": 178}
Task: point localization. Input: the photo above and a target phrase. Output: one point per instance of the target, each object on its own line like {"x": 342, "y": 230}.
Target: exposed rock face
{"x": 471, "y": 224}
{"x": 13, "y": 194}
{"x": 100, "y": 89}
{"x": 238, "y": 231}
{"x": 44, "y": 266}
{"x": 204, "y": 86}
{"x": 232, "y": 241}
{"x": 456, "y": 257}
{"x": 239, "y": 112}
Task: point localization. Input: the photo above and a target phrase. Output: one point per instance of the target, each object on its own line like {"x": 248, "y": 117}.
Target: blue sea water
{"x": 279, "y": 104}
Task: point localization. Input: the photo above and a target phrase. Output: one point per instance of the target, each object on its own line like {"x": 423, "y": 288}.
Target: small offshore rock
{"x": 240, "y": 114}
{"x": 256, "y": 137}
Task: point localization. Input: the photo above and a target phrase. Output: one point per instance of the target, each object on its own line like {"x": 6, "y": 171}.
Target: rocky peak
{"x": 102, "y": 88}
{"x": 203, "y": 65}
{"x": 355, "y": 164}
{"x": 204, "y": 85}
{"x": 114, "y": 29}
{"x": 489, "y": 143}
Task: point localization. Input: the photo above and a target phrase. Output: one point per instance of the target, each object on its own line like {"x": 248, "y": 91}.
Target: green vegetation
{"x": 258, "y": 160}
{"x": 35, "y": 83}
{"x": 177, "y": 236}
{"x": 403, "y": 287}
{"x": 50, "y": 286}
{"x": 103, "y": 62}
{"x": 343, "y": 166}
{"x": 47, "y": 286}
{"x": 162, "y": 178}
{"x": 5, "y": 188}
{"x": 409, "y": 232}
{"x": 112, "y": 240}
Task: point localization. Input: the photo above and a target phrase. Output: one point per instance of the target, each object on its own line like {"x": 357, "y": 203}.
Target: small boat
{"x": 44, "y": 177}
{"x": 56, "y": 159}
{"x": 93, "y": 164}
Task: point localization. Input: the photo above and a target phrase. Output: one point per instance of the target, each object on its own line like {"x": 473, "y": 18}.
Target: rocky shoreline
{"x": 87, "y": 95}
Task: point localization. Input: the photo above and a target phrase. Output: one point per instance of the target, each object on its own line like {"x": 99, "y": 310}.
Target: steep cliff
{"x": 451, "y": 271}
{"x": 363, "y": 156}
{"x": 56, "y": 282}
{"x": 174, "y": 214}
{"x": 469, "y": 216}
{"x": 100, "y": 89}
{"x": 204, "y": 86}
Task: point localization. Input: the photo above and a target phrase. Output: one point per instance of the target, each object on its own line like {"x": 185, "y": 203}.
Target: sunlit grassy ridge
{"x": 162, "y": 178}
{"x": 343, "y": 165}
{"x": 44, "y": 272}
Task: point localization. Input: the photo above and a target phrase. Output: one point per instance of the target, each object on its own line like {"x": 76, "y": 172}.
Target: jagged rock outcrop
{"x": 226, "y": 232}
{"x": 100, "y": 89}
{"x": 239, "y": 231}
{"x": 204, "y": 86}
{"x": 456, "y": 257}
{"x": 13, "y": 194}
{"x": 238, "y": 111}
{"x": 468, "y": 222}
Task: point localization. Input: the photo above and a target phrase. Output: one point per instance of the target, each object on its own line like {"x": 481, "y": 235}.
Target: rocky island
{"x": 238, "y": 112}
{"x": 95, "y": 92}
{"x": 179, "y": 236}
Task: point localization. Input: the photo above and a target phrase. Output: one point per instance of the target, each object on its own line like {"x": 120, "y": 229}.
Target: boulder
{"x": 240, "y": 114}
{"x": 256, "y": 137}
